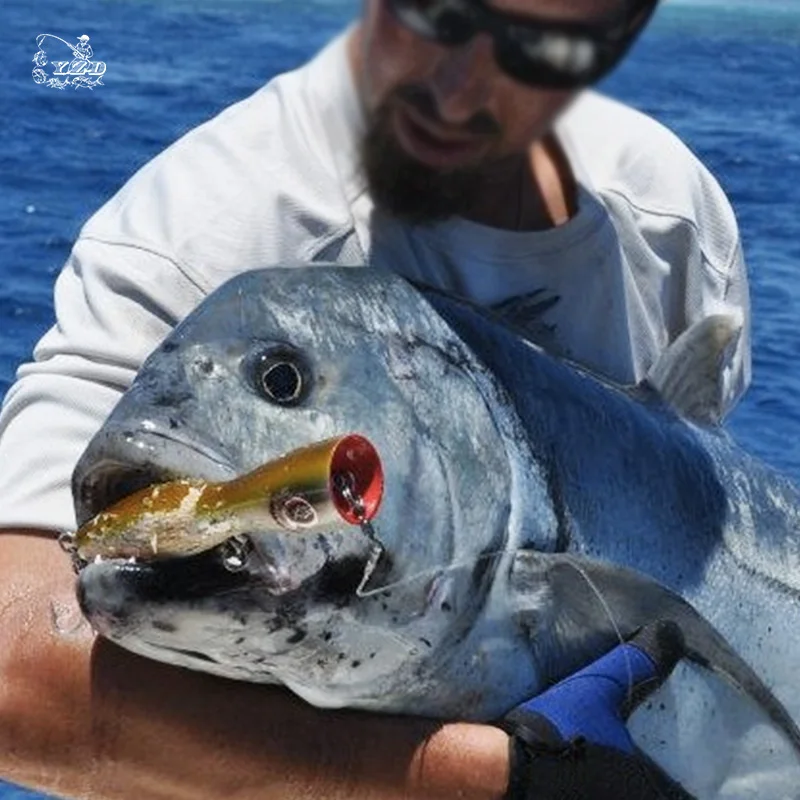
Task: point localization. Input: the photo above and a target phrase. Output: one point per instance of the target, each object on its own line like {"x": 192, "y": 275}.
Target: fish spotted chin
{"x": 196, "y": 612}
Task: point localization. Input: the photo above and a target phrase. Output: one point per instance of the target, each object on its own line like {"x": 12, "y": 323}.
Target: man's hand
{"x": 571, "y": 742}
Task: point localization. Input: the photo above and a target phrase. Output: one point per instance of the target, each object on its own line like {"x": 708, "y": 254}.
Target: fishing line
{"x": 372, "y": 563}
{"x": 598, "y": 593}
{"x": 647, "y": 773}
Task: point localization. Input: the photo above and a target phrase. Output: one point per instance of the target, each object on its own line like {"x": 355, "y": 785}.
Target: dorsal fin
{"x": 689, "y": 376}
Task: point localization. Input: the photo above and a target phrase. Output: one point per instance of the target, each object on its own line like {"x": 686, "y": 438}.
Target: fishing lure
{"x": 310, "y": 489}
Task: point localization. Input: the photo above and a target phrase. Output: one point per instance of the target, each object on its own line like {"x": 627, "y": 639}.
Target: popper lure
{"x": 310, "y": 489}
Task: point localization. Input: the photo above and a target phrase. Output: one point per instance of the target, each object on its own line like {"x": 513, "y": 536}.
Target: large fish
{"x": 532, "y": 514}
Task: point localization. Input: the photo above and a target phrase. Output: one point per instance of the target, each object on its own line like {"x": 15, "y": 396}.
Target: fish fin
{"x": 689, "y": 375}
{"x": 594, "y": 605}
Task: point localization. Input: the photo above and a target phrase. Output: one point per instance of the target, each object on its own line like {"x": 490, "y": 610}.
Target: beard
{"x": 406, "y": 188}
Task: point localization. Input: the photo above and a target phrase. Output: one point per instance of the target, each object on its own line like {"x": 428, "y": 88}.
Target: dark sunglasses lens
{"x": 445, "y": 21}
{"x": 550, "y": 60}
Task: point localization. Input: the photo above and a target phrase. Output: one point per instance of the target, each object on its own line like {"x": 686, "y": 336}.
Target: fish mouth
{"x": 118, "y": 464}
{"x": 267, "y": 562}
{"x": 106, "y": 483}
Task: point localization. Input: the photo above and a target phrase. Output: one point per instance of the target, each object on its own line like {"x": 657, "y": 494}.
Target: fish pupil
{"x": 278, "y": 373}
{"x": 282, "y": 382}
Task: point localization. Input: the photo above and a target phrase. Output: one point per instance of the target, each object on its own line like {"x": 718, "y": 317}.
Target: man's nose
{"x": 462, "y": 80}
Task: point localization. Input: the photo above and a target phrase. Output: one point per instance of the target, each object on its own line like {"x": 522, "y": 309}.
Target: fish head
{"x": 273, "y": 361}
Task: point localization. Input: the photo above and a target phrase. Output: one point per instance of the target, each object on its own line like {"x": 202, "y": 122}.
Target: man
{"x": 449, "y": 140}
{"x": 83, "y": 50}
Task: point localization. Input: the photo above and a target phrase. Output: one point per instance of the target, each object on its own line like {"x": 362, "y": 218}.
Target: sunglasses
{"x": 536, "y": 52}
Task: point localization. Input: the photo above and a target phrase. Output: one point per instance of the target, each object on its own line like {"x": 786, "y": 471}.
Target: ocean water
{"x": 724, "y": 75}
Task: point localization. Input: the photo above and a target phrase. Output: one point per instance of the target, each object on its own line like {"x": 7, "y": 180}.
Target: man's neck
{"x": 531, "y": 192}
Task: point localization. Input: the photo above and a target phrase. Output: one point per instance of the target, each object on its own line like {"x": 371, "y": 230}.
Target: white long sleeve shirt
{"x": 274, "y": 179}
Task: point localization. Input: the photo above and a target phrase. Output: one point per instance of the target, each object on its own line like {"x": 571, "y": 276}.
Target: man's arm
{"x": 79, "y": 717}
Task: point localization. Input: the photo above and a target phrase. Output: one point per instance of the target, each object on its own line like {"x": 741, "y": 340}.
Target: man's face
{"x": 443, "y": 119}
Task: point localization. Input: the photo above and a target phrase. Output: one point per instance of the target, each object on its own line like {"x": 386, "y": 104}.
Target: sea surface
{"x": 724, "y": 75}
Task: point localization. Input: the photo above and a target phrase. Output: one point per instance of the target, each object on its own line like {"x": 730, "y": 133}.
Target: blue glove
{"x": 571, "y": 742}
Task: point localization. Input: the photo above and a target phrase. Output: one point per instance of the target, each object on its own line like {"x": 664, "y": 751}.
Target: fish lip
{"x": 131, "y": 460}
{"x": 185, "y": 578}
{"x": 112, "y": 593}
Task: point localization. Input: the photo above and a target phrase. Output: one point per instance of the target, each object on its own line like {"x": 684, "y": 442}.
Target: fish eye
{"x": 280, "y": 375}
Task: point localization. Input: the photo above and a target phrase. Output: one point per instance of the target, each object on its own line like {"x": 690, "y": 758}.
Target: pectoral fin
{"x": 577, "y": 609}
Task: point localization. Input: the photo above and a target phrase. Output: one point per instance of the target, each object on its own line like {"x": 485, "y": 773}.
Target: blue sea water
{"x": 724, "y": 75}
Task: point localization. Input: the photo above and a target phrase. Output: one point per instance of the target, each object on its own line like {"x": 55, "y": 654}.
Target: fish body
{"x": 532, "y": 514}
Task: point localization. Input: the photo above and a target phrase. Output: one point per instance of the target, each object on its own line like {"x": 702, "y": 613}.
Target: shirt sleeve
{"x": 114, "y": 303}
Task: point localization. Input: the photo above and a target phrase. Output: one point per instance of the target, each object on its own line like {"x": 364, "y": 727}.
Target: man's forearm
{"x": 80, "y": 717}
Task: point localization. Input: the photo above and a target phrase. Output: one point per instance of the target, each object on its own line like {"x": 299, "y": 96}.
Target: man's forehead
{"x": 567, "y": 10}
